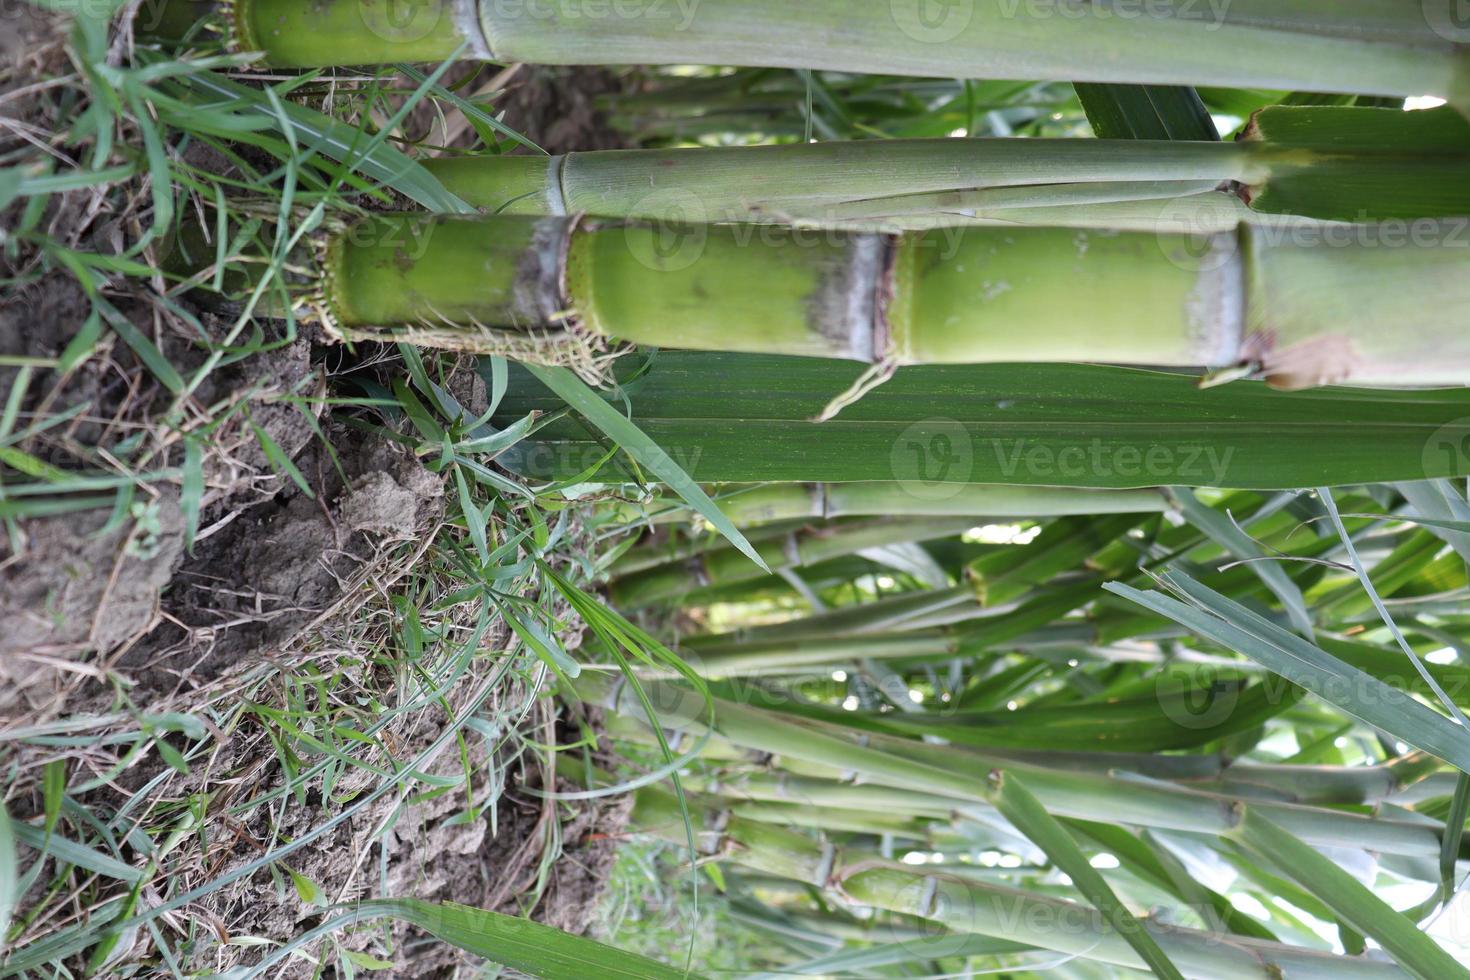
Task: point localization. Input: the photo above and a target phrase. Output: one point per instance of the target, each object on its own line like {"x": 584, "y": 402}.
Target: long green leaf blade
{"x": 1360, "y": 694}
{"x": 1146, "y": 112}
{"x": 1350, "y": 900}
{"x": 521, "y": 944}
{"x": 1220, "y": 529}
{"x": 645, "y": 450}
{"x": 746, "y": 419}
{"x": 1022, "y": 809}
{"x": 68, "y": 851}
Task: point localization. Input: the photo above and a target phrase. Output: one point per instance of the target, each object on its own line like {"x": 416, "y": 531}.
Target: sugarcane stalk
{"x": 805, "y": 546}
{"x": 1329, "y": 164}
{"x": 746, "y": 183}
{"x": 1305, "y": 785}
{"x": 800, "y": 655}
{"x": 773, "y": 502}
{"x": 1299, "y": 313}
{"x": 891, "y": 928}
{"x": 1314, "y": 45}
{"x": 969, "y": 906}
{"x": 1326, "y": 784}
{"x": 931, "y": 833}
{"x": 781, "y": 787}
{"x": 961, "y": 774}
{"x": 929, "y": 640}
{"x": 892, "y": 613}
{"x": 777, "y": 778}
{"x": 931, "y": 627}
{"x": 675, "y": 549}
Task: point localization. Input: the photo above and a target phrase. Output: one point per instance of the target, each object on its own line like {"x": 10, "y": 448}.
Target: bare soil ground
{"x": 106, "y": 616}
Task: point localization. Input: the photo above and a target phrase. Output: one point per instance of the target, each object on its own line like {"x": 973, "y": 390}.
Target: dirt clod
{"x": 81, "y": 582}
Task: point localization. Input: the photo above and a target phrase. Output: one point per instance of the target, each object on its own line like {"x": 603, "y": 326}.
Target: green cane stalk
{"x": 960, "y": 773}
{"x": 970, "y": 906}
{"x": 771, "y": 503}
{"x": 1293, "y": 311}
{"x": 1322, "y": 163}
{"x": 1319, "y": 45}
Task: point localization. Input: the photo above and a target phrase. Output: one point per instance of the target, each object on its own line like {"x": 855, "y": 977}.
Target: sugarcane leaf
{"x": 538, "y": 950}
{"x": 1146, "y": 112}
{"x": 916, "y": 952}
{"x": 1021, "y": 808}
{"x": 1394, "y": 669}
{"x": 745, "y": 419}
{"x": 1172, "y": 720}
{"x": 1454, "y": 831}
{"x": 1223, "y": 530}
{"x": 1146, "y": 857}
{"x": 1439, "y": 507}
{"x": 1420, "y": 179}
{"x": 1349, "y": 899}
{"x": 645, "y": 450}
{"x": 1319, "y": 127}
{"x": 911, "y": 559}
{"x": 1366, "y": 579}
{"x": 1432, "y": 523}
{"x": 1361, "y": 695}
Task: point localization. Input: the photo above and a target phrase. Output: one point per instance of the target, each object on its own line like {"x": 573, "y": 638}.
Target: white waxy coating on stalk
{"x": 539, "y": 289}
{"x": 556, "y": 198}
{"x": 845, "y": 305}
{"x": 466, "y": 14}
{"x": 1217, "y": 307}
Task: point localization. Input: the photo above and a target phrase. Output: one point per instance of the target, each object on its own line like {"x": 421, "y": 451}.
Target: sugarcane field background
{"x": 734, "y": 488}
